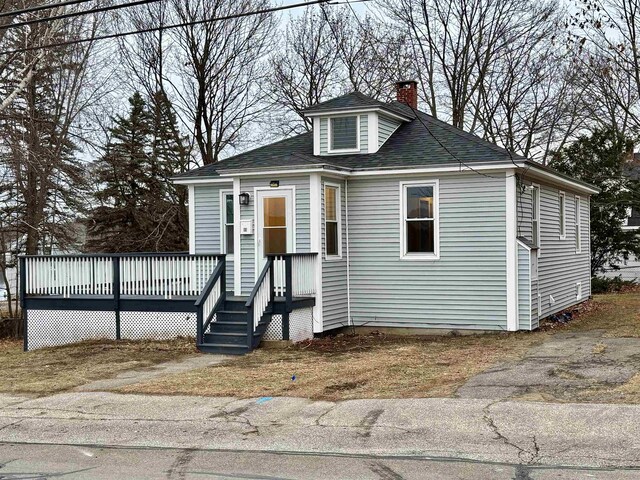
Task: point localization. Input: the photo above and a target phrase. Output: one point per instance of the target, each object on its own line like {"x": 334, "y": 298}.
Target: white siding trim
{"x": 512, "y": 253}
{"x": 316, "y": 136}
{"x": 436, "y": 222}
{"x": 237, "y": 264}
{"x": 315, "y": 227}
{"x": 372, "y": 125}
{"x": 330, "y": 258}
{"x": 346, "y": 219}
{"x": 192, "y": 219}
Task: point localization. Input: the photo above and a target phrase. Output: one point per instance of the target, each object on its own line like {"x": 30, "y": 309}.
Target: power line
{"x": 165, "y": 27}
{"x": 14, "y": 13}
{"x": 64, "y": 16}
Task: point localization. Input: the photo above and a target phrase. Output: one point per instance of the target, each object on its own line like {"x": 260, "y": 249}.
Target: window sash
{"x": 332, "y": 227}
{"x": 535, "y": 215}
{"x": 420, "y": 227}
{"x": 228, "y": 224}
{"x": 578, "y": 224}
{"x": 562, "y": 213}
{"x": 344, "y": 133}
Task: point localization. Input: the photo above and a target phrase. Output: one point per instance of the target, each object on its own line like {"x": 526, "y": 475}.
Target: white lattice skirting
{"x": 49, "y": 328}
{"x": 300, "y": 326}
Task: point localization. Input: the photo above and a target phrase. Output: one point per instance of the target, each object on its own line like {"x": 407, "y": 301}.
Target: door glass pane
{"x": 275, "y": 240}
{"x": 420, "y": 202}
{"x": 275, "y": 212}
{"x": 420, "y": 237}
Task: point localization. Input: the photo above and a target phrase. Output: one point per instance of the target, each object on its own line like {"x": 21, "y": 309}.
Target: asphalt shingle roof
{"x": 355, "y": 100}
{"x": 423, "y": 141}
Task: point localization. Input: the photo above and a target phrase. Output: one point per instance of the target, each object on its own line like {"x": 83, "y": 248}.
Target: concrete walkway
{"x": 130, "y": 377}
{"x": 531, "y": 434}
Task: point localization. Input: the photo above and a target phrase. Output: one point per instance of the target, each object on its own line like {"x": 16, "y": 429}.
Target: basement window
{"x": 578, "y": 290}
{"x": 344, "y": 134}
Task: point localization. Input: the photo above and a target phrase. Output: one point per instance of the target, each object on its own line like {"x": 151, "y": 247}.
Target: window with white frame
{"x": 227, "y": 222}
{"x": 332, "y": 227}
{"x": 578, "y": 224}
{"x": 535, "y": 215}
{"x": 562, "y": 215}
{"x": 344, "y": 135}
{"x": 420, "y": 220}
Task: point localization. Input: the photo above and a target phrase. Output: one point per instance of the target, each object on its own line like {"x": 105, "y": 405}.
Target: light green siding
{"x": 302, "y": 233}
{"x": 559, "y": 266}
{"x": 464, "y": 289}
{"x": 334, "y": 271}
{"x": 208, "y": 223}
{"x": 524, "y": 288}
{"x": 386, "y": 126}
{"x": 364, "y": 135}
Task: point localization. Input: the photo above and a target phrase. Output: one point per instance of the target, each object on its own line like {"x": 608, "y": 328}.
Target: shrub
{"x": 610, "y": 285}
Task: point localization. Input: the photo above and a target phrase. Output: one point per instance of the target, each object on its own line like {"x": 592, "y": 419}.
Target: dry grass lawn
{"x": 382, "y": 366}
{"x": 51, "y": 370}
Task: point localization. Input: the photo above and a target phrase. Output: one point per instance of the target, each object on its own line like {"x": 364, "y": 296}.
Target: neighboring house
{"x": 417, "y": 224}
{"x": 630, "y": 269}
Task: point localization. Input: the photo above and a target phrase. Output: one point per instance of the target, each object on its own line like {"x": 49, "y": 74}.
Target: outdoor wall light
{"x": 244, "y": 198}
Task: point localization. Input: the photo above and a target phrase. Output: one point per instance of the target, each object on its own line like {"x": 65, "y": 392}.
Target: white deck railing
{"x": 303, "y": 274}
{"x": 163, "y": 275}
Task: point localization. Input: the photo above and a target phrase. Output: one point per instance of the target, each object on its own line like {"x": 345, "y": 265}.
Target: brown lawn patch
{"x": 384, "y": 366}
{"x": 56, "y": 369}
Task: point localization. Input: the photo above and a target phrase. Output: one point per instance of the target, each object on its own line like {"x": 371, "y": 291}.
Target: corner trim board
{"x": 315, "y": 227}
{"x": 511, "y": 252}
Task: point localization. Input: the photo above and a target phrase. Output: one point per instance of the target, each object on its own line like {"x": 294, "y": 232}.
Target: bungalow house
{"x": 381, "y": 217}
{"x": 417, "y": 225}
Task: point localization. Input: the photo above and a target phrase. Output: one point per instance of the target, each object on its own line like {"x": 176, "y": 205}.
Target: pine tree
{"x": 599, "y": 159}
{"x": 140, "y": 209}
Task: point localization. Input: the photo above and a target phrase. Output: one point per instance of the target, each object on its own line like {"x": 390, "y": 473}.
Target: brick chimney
{"x": 407, "y": 93}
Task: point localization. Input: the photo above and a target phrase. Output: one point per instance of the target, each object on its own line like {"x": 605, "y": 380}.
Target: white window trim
{"x": 223, "y": 222}
{"x": 436, "y": 221}
{"x": 578, "y": 290}
{"x": 562, "y": 214}
{"x": 343, "y": 150}
{"x": 338, "y": 219}
{"x": 578, "y": 223}
{"x": 536, "y": 187}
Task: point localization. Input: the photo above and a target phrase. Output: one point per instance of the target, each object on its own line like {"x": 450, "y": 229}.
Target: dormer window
{"x": 344, "y": 134}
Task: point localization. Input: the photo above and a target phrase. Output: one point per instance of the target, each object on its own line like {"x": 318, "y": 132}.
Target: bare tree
{"x": 221, "y": 66}
{"x": 605, "y": 39}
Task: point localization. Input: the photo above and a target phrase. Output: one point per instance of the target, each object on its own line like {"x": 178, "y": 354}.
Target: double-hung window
{"x": 344, "y": 135}
{"x": 419, "y": 229}
{"x": 227, "y": 222}
{"x": 578, "y": 224}
{"x": 562, "y": 215}
{"x": 332, "y": 221}
{"x": 535, "y": 215}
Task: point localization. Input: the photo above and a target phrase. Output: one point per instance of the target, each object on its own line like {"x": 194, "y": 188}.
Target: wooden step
{"x": 223, "y": 349}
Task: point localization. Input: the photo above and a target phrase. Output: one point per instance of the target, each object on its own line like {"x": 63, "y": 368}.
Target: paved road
{"x": 97, "y": 463}
{"x": 160, "y": 436}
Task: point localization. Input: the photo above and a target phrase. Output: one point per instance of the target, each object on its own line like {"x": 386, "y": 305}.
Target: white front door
{"x": 274, "y": 224}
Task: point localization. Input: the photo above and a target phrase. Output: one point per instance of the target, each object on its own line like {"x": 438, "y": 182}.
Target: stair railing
{"x": 262, "y": 295}
{"x": 211, "y": 298}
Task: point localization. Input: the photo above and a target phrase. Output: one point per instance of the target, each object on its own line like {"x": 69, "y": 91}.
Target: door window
{"x": 275, "y": 225}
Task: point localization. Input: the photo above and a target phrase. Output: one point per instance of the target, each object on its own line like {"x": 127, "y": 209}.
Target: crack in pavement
{"x": 527, "y": 456}
{"x": 384, "y": 472}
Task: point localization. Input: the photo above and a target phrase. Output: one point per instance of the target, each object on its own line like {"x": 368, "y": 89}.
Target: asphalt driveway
{"x": 583, "y": 366}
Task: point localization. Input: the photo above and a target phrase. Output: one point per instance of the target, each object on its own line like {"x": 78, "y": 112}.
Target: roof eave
{"x": 553, "y": 175}
{"x": 343, "y": 110}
